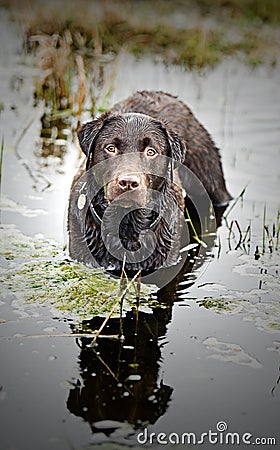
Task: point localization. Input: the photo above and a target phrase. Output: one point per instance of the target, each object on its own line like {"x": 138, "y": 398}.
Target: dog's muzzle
{"x": 127, "y": 190}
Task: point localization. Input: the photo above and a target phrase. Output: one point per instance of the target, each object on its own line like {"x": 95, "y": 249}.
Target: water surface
{"x": 209, "y": 355}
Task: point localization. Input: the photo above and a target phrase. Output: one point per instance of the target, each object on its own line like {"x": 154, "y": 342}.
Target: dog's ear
{"x": 177, "y": 146}
{"x": 89, "y": 131}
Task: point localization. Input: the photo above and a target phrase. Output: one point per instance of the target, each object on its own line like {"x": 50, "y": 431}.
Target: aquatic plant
{"x": 269, "y": 239}
{"x": 195, "y": 234}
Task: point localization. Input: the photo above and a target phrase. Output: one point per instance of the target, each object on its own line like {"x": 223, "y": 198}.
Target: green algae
{"x": 217, "y": 304}
{"x": 265, "y": 315}
{"x": 274, "y": 326}
{"x": 36, "y": 271}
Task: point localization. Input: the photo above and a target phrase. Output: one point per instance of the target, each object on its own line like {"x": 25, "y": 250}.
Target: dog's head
{"x": 132, "y": 144}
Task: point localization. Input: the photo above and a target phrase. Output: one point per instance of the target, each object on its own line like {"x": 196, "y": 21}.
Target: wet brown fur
{"x": 178, "y": 131}
{"x": 202, "y": 156}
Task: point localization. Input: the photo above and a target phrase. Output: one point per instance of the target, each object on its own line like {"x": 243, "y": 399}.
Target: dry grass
{"x": 54, "y": 60}
{"x": 72, "y": 41}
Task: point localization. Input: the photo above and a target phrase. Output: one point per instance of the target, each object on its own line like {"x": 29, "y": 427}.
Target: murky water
{"x": 211, "y": 354}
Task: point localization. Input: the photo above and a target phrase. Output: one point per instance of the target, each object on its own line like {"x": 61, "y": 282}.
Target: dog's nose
{"x": 129, "y": 182}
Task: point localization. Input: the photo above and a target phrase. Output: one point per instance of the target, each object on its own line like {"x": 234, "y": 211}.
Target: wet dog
{"x": 126, "y": 203}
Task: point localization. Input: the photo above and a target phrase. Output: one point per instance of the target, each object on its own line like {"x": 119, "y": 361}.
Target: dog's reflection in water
{"x": 120, "y": 378}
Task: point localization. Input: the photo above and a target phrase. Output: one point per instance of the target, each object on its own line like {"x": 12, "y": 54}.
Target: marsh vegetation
{"x": 72, "y": 44}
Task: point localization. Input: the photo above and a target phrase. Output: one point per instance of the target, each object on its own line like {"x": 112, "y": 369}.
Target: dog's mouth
{"x": 131, "y": 200}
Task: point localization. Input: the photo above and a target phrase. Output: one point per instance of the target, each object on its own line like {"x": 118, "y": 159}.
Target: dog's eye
{"x": 110, "y": 148}
{"x": 150, "y": 151}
